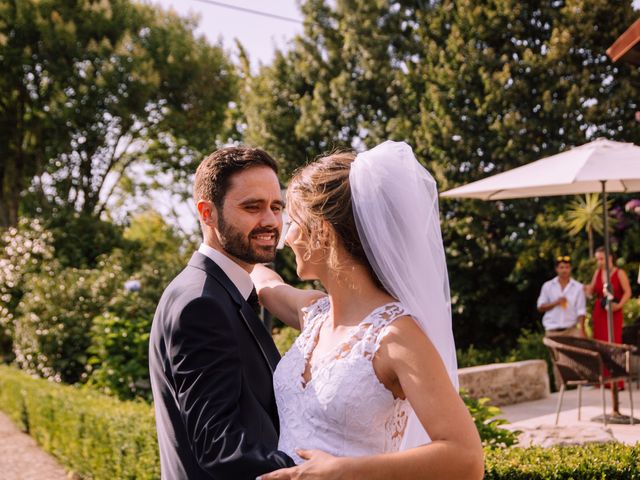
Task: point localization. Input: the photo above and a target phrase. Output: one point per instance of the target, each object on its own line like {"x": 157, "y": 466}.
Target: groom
{"x": 211, "y": 360}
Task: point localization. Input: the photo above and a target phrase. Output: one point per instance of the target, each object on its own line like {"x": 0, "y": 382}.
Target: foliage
{"x": 284, "y": 338}
{"x": 24, "y": 250}
{"x": 516, "y": 82}
{"x": 585, "y": 214}
{"x": 528, "y": 346}
{"x": 119, "y": 362}
{"x": 476, "y": 88}
{"x": 92, "y": 435}
{"x": 53, "y": 320}
{"x": 626, "y": 238}
{"x": 472, "y": 356}
{"x": 79, "y": 240}
{"x": 632, "y": 311}
{"x": 586, "y": 462}
{"x": 80, "y": 324}
{"x": 485, "y": 417}
{"x": 89, "y": 88}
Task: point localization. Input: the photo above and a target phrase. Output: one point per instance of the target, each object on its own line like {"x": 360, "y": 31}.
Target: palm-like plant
{"x": 586, "y": 214}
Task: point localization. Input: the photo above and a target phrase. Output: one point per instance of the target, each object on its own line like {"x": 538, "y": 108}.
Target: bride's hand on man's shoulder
{"x": 319, "y": 465}
{"x": 263, "y": 276}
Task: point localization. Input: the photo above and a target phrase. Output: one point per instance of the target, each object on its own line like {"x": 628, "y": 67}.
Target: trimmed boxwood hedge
{"x": 615, "y": 461}
{"x": 93, "y": 435}
{"x": 99, "y": 437}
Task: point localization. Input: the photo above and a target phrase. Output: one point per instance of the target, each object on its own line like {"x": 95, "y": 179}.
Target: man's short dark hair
{"x": 214, "y": 172}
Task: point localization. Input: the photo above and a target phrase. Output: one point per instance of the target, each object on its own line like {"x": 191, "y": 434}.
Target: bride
{"x": 369, "y": 388}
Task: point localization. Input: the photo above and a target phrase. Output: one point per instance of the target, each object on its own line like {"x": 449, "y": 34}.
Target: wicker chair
{"x": 631, "y": 336}
{"x": 582, "y": 361}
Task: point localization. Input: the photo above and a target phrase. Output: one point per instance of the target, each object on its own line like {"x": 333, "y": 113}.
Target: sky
{"x": 259, "y": 34}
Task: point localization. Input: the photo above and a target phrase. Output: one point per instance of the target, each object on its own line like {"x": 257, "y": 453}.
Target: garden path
{"x": 536, "y": 419}
{"x": 22, "y": 459}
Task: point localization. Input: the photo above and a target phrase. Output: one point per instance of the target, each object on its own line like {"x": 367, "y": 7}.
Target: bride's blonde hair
{"x": 320, "y": 192}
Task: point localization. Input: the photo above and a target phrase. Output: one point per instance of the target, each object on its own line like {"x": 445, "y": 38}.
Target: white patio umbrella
{"x": 599, "y": 166}
{"x": 582, "y": 169}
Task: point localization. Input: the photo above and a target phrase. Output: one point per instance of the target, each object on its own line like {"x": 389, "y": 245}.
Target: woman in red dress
{"x": 621, "y": 290}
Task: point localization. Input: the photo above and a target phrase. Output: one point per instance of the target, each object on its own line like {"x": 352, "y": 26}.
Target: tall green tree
{"x": 476, "y": 87}
{"x": 337, "y": 87}
{"x": 90, "y": 87}
{"x": 513, "y": 82}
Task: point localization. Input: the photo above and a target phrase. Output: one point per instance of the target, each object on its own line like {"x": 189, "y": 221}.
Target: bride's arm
{"x": 282, "y": 300}
{"x": 414, "y": 365}
{"x": 410, "y": 361}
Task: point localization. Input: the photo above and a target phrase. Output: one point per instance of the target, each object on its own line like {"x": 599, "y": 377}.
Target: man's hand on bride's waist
{"x": 319, "y": 465}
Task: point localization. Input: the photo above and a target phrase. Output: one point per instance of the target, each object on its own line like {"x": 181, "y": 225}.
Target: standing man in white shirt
{"x": 563, "y": 303}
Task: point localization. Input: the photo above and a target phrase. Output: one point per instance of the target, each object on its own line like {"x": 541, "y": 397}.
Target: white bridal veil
{"x": 395, "y": 203}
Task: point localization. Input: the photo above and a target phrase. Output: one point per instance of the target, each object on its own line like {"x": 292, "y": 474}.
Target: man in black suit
{"x": 211, "y": 359}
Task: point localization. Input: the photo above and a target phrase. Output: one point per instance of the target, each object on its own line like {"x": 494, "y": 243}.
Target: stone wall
{"x": 507, "y": 383}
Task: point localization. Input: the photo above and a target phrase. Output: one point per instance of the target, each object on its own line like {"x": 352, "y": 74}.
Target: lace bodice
{"x": 343, "y": 409}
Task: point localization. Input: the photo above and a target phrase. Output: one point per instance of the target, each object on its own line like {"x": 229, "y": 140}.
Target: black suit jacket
{"x": 211, "y": 363}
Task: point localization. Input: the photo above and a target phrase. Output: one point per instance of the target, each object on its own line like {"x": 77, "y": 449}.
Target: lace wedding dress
{"x": 343, "y": 409}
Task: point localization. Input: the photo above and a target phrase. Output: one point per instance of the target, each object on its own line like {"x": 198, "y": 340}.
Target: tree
{"x": 89, "y": 88}
{"x": 512, "y": 82}
{"x": 585, "y": 214}
{"x": 338, "y": 86}
{"x": 476, "y": 87}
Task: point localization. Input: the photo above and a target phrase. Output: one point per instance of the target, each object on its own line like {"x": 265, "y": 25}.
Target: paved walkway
{"x": 22, "y": 459}
{"x": 536, "y": 419}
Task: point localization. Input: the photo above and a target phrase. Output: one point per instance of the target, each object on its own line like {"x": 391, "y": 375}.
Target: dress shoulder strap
{"x": 315, "y": 310}
{"x": 375, "y": 326}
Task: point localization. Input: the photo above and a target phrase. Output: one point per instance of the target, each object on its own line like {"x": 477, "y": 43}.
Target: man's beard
{"x": 238, "y": 245}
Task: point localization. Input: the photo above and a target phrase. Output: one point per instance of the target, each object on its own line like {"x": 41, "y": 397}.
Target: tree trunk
{"x": 590, "y": 235}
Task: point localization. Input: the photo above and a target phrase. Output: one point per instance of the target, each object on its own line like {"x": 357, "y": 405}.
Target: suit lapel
{"x": 261, "y": 335}
{"x": 249, "y": 317}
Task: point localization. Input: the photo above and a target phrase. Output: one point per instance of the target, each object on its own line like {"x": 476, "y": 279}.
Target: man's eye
{"x": 277, "y": 208}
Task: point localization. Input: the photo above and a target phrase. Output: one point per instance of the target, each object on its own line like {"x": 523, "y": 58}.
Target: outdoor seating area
{"x": 583, "y": 361}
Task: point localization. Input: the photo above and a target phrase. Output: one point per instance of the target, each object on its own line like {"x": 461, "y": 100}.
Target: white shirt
{"x": 238, "y": 275}
{"x": 559, "y": 317}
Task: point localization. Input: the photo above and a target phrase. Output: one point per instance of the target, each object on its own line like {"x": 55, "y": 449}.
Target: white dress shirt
{"x": 238, "y": 275}
{"x": 559, "y": 316}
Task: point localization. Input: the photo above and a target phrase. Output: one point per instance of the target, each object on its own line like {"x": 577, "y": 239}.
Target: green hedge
{"x": 93, "y": 435}
{"x": 615, "y": 461}
{"x": 99, "y": 437}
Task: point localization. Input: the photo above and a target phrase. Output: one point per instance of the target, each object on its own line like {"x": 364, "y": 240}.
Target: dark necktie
{"x": 253, "y": 301}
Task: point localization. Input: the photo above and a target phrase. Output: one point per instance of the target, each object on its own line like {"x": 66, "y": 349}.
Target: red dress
{"x": 600, "y": 327}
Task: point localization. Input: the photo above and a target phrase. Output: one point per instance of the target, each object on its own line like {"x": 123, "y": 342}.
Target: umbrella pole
{"x": 607, "y": 254}
{"x": 607, "y": 289}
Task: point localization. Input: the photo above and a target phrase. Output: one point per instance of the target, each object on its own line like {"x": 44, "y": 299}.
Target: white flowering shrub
{"x": 90, "y": 324}
{"x": 54, "y": 319}
{"x": 25, "y": 250}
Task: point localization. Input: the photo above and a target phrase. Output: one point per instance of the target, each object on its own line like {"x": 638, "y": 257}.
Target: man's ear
{"x": 207, "y": 213}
